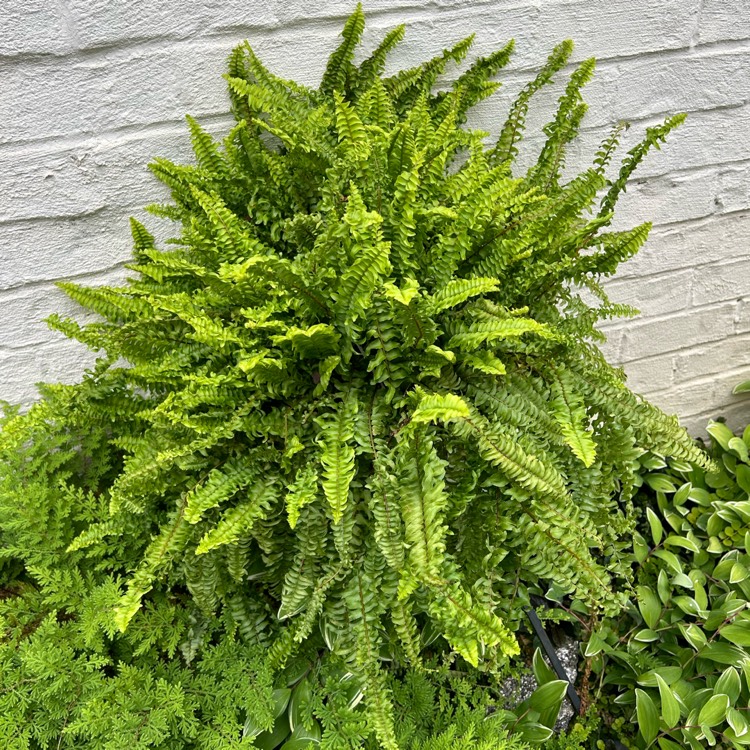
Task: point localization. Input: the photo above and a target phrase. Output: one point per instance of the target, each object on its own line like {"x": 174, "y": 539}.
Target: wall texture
{"x": 92, "y": 89}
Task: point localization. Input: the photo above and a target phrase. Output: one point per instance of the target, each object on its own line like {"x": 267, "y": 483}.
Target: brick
{"x": 25, "y": 309}
{"x": 89, "y": 177}
{"x": 733, "y": 193}
{"x": 44, "y": 99}
{"x": 639, "y": 27}
{"x": 674, "y": 332}
{"x": 101, "y": 22}
{"x": 144, "y": 85}
{"x": 727, "y": 280}
{"x": 705, "y": 138}
{"x": 723, "y": 19}
{"x": 611, "y": 347}
{"x": 710, "y": 395}
{"x": 684, "y": 196}
{"x": 23, "y": 314}
{"x": 35, "y": 250}
{"x": 32, "y": 27}
{"x": 682, "y": 81}
{"x": 667, "y": 199}
{"x": 62, "y": 361}
{"x": 621, "y": 29}
{"x": 651, "y": 374}
{"x": 714, "y": 358}
{"x": 654, "y": 295}
{"x": 742, "y": 317}
{"x": 711, "y": 240}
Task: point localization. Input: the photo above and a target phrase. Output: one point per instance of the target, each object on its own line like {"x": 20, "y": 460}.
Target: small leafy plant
{"x": 681, "y": 651}
{"x": 353, "y": 414}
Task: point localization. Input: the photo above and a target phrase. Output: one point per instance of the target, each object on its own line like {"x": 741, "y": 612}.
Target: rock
{"x": 516, "y": 691}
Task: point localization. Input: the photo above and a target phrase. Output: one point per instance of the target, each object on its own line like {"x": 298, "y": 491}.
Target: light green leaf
{"x": 660, "y": 483}
{"x": 640, "y": 548}
{"x": 594, "y": 645}
{"x": 547, "y": 700}
{"x": 737, "y": 721}
{"x": 670, "y": 708}
{"x": 739, "y": 573}
{"x": 714, "y": 711}
{"x": 646, "y": 636}
{"x": 670, "y": 558}
{"x": 720, "y": 433}
{"x": 657, "y": 530}
{"x": 663, "y": 586}
{"x": 680, "y": 541}
{"x": 670, "y": 675}
{"x": 694, "y": 635}
{"x": 730, "y": 684}
{"x": 737, "y": 633}
{"x": 737, "y": 445}
{"x": 648, "y": 716}
{"x": 742, "y": 473}
{"x": 723, "y": 653}
{"x": 649, "y": 606}
{"x": 543, "y": 673}
{"x": 534, "y": 732}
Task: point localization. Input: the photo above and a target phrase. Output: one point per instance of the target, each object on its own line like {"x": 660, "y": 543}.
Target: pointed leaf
{"x": 648, "y": 716}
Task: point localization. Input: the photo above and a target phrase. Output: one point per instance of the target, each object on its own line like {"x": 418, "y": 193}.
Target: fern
{"x": 352, "y": 418}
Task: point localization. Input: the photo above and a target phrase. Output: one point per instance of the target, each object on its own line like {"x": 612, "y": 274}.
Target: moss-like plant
{"x": 357, "y": 400}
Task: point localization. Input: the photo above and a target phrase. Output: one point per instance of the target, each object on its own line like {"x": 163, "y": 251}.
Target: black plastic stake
{"x": 549, "y": 649}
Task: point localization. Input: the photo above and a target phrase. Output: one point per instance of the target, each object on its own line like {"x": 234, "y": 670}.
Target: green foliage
{"x": 357, "y": 400}
{"x": 680, "y": 653}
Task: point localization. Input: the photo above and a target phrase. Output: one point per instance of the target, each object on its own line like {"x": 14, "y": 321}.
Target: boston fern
{"x": 357, "y": 403}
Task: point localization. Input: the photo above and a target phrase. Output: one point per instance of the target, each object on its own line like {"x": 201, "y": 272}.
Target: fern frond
{"x": 337, "y": 453}
{"x": 457, "y": 291}
{"x": 506, "y": 149}
{"x": 421, "y": 489}
{"x": 568, "y": 409}
{"x": 302, "y": 492}
{"x": 220, "y": 485}
{"x": 238, "y": 521}
{"x": 339, "y": 71}
{"x": 474, "y": 335}
{"x": 360, "y": 280}
{"x": 351, "y": 131}
{"x": 372, "y": 67}
{"x": 654, "y": 136}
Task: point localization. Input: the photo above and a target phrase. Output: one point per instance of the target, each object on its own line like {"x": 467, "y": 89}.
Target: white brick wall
{"x": 92, "y": 89}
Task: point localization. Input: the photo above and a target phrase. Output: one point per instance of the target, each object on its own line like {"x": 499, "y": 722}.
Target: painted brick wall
{"x": 92, "y": 89}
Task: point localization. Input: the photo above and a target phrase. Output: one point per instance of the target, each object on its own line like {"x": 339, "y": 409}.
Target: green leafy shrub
{"x": 357, "y": 401}
{"x": 680, "y": 654}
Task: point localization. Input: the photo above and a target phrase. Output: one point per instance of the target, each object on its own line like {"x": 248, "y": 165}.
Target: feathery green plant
{"x": 359, "y": 395}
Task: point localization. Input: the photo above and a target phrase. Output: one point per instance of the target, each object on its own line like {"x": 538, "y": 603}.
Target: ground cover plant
{"x": 341, "y": 429}
{"x": 678, "y": 658}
